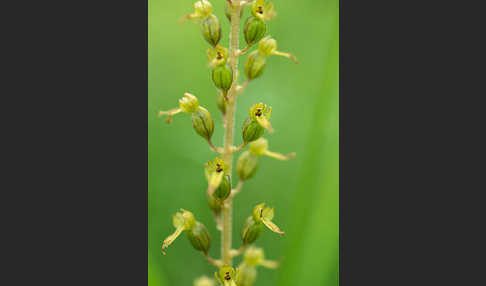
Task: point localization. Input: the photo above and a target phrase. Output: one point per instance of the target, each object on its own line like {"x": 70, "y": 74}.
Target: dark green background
{"x": 305, "y": 103}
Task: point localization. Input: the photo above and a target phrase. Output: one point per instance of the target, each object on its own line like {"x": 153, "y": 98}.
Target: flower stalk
{"x": 226, "y": 234}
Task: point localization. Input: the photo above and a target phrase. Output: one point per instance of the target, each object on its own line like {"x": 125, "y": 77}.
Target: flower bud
{"x": 203, "y": 123}
{"x": 224, "y": 189}
{"x": 255, "y": 65}
{"x": 203, "y": 8}
{"x": 220, "y": 102}
{"x": 199, "y": 237}
{"x": 188, "y": 103}
{"x": 222, "y": 77}
{"x": 254, "y": 30}
{"x": 227, "y": 11}
{"x": 211, "y": 30}
{"x": 247, "y": 165}
{"x": 251, "y": 231}
{"x": 203, "y": 281}
{"x": 252, "y": 130}
{"x": 246, "y": 275}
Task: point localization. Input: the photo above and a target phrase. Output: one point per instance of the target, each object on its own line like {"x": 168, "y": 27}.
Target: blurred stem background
{"x": 305, "y": 103}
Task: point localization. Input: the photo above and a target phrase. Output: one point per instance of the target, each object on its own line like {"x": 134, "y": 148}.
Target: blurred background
{"x": 304, "y": 98}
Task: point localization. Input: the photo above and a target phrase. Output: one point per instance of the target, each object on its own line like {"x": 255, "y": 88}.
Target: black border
{"x": 72, "y": 131}
{"x": 76, "y": 86}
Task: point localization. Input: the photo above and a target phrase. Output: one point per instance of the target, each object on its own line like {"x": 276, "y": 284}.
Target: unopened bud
{"x": 255, "y": 65}
{"x": 246, "y": 275}
{"x": 211, "y": 30}
{"x": 199, "y": 237}
{"x": 204, "y": 281}
{"x": 251, "y": 231}
{"x": 252, "y": 130}
{"x": 188, "y": 103}
{"x": 254, "y": 30}
{"x": 203, "y": 123}
{"x": 247, "y": 165}
{"x": 224, "y": 189}
{"x": 222, "y": 77}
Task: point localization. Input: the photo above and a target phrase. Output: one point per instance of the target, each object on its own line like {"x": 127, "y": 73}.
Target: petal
{"x": 273, "y": 227}
{"x": 171, "y": 238}
{"x": 267, "y": 213}
{"x": 263, "y": 121}
{"x": 178, "y": 220}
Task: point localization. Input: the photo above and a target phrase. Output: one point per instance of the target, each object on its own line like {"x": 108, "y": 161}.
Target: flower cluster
{"x": 222, "y": 62}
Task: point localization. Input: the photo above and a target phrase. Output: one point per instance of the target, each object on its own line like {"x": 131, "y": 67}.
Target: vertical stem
{"x": 229, "y": 129}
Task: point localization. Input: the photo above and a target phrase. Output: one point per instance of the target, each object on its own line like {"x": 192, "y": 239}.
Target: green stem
{"x": 229, "y": 130}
